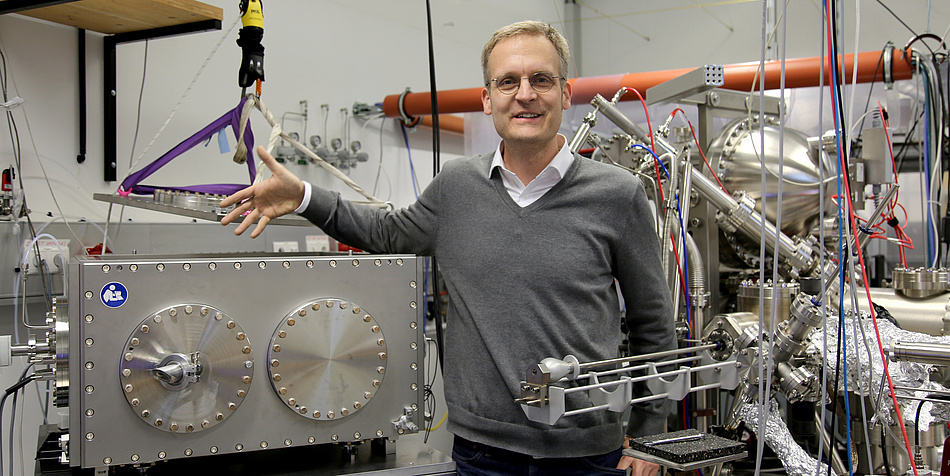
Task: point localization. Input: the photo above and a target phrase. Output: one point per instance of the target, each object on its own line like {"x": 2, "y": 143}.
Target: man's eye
{"x": 506, "y": 82}
{"x": 543, "y": 79}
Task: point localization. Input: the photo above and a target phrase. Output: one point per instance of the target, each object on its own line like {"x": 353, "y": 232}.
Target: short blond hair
{"x": 528, "y": 27}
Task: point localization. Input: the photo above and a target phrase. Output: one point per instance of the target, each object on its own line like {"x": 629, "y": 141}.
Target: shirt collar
{"x": 561, "y": 162}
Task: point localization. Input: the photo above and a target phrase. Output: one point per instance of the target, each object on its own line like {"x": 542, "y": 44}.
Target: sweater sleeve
{"x": 409, "y": 230}
{"x": 649, "y": 309}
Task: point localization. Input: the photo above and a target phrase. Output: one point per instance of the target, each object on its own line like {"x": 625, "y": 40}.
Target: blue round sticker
{"x": 113, "y": 294}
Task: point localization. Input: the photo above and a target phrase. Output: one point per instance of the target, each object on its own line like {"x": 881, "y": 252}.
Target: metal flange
{"x": 327, "y": 359}
{"x": 186, "y": 368}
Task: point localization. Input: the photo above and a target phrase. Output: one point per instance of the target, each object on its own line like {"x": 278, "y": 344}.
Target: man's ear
{"x": 486, "y": 101}
{"x": 567, "y": 93}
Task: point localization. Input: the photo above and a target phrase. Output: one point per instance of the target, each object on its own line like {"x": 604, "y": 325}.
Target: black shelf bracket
{"x": 110, "y": 159}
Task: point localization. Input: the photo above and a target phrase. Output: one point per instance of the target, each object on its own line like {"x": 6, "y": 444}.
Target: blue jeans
{"x": 476, "y": 459}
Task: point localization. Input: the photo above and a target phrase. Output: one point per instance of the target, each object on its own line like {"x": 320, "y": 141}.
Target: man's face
{"x": 527, "y": 116}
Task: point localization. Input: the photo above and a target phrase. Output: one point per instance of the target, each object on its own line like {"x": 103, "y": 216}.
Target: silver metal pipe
{"x": 611, "y": 112}
{"x": 914, "y": 389}
{"x": 752, "y": 224}
{"x": 654, "y": 355}
{"x": 583, "y": 132}
{"x": 921, "y": 352}
{"x": 711, "y": 192}
{"x": 670, "y": 239}
{"x": 685, "y": 191}
{"x": 635, "y": 368}
{"x": 837, "y": 464}
{"x": 29, "y": 350}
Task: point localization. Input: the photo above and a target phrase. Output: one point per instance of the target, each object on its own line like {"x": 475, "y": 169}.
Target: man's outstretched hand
{"x": 279, "y": 195}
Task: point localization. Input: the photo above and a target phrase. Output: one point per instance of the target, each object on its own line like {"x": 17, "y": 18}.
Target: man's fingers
{"x": 236, "y": 197}
{"x": 236, "y": 212}
{"x": 247, "y": 222}
{"x": 261, "y": 224}
{"x": 269, "y": 160}
{"x": 625, "y": 462}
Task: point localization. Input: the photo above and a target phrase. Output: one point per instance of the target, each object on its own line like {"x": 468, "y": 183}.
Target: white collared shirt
{"x": 525, "y": 195}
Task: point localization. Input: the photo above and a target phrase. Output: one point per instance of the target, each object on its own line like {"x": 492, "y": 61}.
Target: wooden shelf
{"x": 123, "y": 16}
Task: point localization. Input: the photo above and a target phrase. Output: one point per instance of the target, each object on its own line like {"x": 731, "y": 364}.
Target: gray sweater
{"x": 525, "y": 284}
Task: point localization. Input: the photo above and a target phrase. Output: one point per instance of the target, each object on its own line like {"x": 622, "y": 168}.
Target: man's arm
{"x": 649, "y": 306}
{"x": 408, "y": 230}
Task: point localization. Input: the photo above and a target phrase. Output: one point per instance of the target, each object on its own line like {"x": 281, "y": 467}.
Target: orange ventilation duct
{"x": 799, "y": 73}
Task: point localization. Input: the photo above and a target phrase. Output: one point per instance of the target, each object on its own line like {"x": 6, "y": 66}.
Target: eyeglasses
{"x": 510, "y": 84}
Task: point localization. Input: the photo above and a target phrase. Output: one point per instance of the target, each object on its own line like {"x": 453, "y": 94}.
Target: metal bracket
{"x": 404, "y": 423}
{"x": 694, "y": 82}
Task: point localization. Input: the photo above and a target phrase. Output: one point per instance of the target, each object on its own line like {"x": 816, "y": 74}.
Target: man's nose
{"x": 525, "y": 91}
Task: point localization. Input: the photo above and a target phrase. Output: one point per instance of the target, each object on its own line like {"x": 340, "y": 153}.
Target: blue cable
{"x": 685, "y": 267}
{"x": 655, "y": 157}
{"x": 841, "y": 248}
{"x": 415, "y": 190}
{"x": 412, "y": 168}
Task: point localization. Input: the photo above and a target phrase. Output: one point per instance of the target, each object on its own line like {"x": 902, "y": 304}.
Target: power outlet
{"x": 317, "y": 243}
{"x": 51, "y": 252}
{"x": 286, "y": 247}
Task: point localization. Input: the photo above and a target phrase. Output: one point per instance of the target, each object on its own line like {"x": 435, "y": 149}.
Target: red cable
{"x": 877, "y": 332}
{"x": 701, "y": 154}
{"x": 645, "y": 111}
{"x": 679, "y": 269}
{"x": 887, "y": 373}
{"x": 656, "y": 166}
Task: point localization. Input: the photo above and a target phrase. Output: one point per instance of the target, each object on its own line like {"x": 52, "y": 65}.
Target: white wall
{"x": 341, "y": 52}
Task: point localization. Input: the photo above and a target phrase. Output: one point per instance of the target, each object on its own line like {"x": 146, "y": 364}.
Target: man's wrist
{"x": 306, "y": 198}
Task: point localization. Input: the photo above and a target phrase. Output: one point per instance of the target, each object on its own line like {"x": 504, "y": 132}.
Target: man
{"x": 529, "y": 240}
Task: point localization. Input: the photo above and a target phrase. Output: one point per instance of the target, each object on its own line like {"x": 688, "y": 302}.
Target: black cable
{"x": 833, "y": 39}
{"x": 905, "y": 24}
{"x": 917, "y": 424}
{"x": 887, "y": 465}
{"x": 15, "y": 387}
{"x": 16, "y": 396}
{"x": 899, "y": 157}
{"x": 880, "y": 61}
{"x": 434, "y": 98}
{"x": 429, "y": 396}
{"x": 138, "y": 114}
{"x": 833, "y": 435}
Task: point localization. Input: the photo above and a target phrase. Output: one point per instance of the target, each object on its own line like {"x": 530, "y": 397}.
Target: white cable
{"x": 276, "y": 133}
{"x": 79, "y": 219}
{"x": 26, "y": 256}
{"x": 183, "y": 96}
{"x": 380, "y": 167}
{"x": 853, "y": 291}
{"x": 39, "y": 160}
{"x": 776, "y": 263}
{"x": 762, "y": 399}
{"x": 853, "y": 92}
{"x": 821, "y": 244}
{"x": 854, "y": 73}
{"x": 857, "y": 122}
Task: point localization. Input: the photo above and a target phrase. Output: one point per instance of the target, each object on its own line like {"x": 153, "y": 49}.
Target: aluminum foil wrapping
{"x": 866, "y": 368}
{"x": 797, "y": 461}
